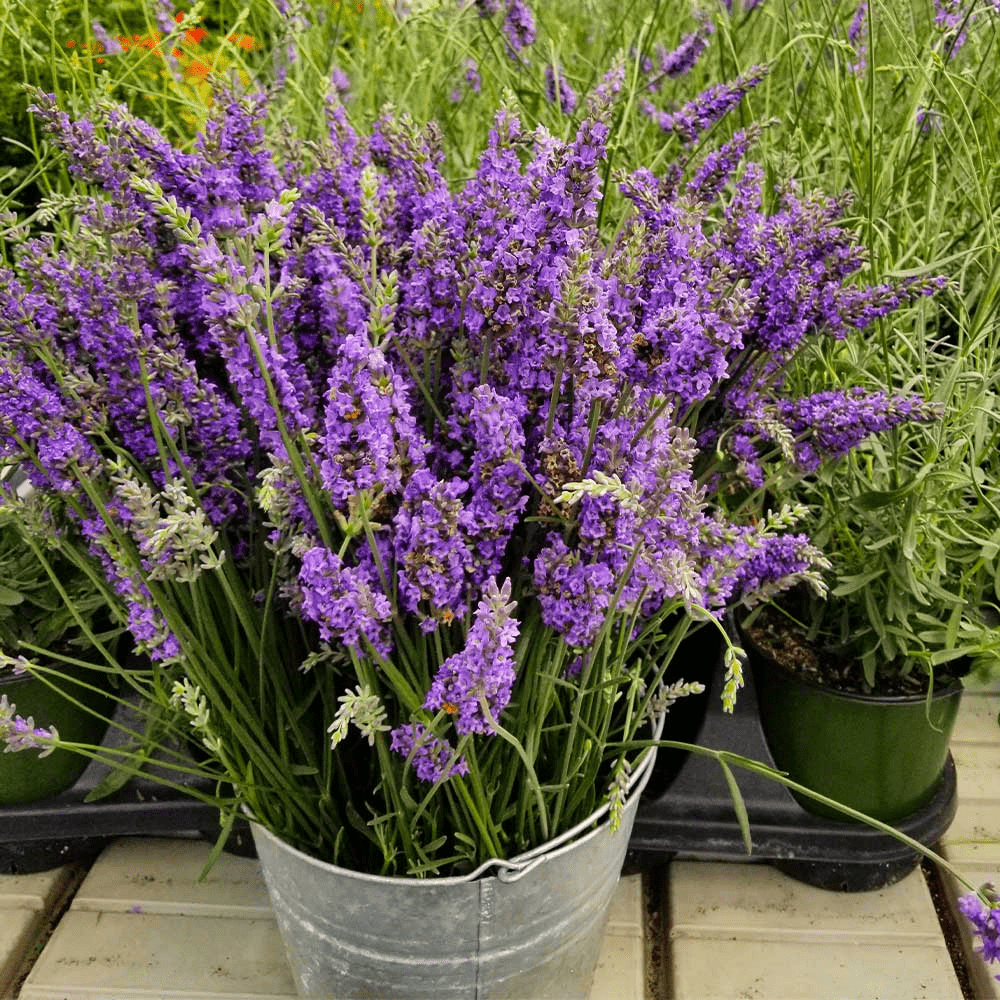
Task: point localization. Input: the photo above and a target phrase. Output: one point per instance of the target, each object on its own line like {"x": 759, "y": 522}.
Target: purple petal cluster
{"x": 426, "y": 753}
{"x": 17, "y": 733}
{"x": 664, "y": 64}
{"x": 710, "y": 107}
{"x": 482, "y": 674}
{"x": 952, "y": 18}
{"x": 985, "y": 921}
{"x": 432, "y": 552}
{"x": 558, "y": 91}
{"x": 857, "y": 35}
{"x": 345, "y": 601}
{"x": 836, "y": 422}
{"x": 518, "y": 26}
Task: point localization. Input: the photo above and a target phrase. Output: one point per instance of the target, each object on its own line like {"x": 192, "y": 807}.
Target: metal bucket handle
{"x": 513, "y": 869}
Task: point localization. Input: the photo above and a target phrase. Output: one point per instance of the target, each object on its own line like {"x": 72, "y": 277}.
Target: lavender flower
{"x": 431, "y": 549}
{"x": 104, "y": 42}
{"x": 721, "y": 164}
{"x": 838, "y": 421}
{"x": 481, "y": 676}
{"x": 472, "y": 75}
{"x": 929, "y": 120}
{"x": 706, "y": 109}
{"x": 518, "y": 26}
{"x": 437, "y": 390}
{"x": 471, "y": 79}
{"x": 558, "y": 91}
{"x": 362, "y": 708}
{"x": 340, "y": 81}
{"x": 678, "y": 61}
{"x": 165, "y": 16}
{"x": 985, "y": 921}
{"x": 18, "y": 734}
{"x": 952, "y": 17}
{"x": 857, "y": 35}
{"x": 346, "y": 602}
{"x": 427, "y": 754}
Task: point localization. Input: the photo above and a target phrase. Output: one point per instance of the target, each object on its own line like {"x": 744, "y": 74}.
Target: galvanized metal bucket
{"x": 531, "y": 930}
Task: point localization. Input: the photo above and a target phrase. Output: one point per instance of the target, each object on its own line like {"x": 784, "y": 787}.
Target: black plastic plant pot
{"x": 883, "y": 756}
{"x": 80, "y": 715}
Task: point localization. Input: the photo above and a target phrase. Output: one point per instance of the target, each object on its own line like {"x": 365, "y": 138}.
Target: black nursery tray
{"x": 689, "y": 813}
{"x": 38, "y": 835}
{"x": 686, "y": 812}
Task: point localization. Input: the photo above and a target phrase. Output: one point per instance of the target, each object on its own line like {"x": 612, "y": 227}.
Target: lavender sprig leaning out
{"x": 421, "y": 485}
{"x": 985, "y": 921}
{"x": 17, "y": 733}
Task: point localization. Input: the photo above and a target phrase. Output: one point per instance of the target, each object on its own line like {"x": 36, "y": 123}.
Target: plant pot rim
{"x": 506, "y": 870}
{"x": 10, "y": 677}
{"x": 939, "y": 691}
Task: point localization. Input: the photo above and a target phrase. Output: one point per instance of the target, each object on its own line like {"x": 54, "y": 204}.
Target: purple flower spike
{"x": 428, "y": 755}
{"x": 22, "y": 734}
{"x": 707, "y": 108}
{"x": 835, "y": 422}
{"x": 484, "y": 670}
{"x": 985, "y": 923}
{"x": 680, "y": 60}
{"x": 518, "y": 26}
{"x": 857, "y": 35}
{"x": 558, "y": 91}
{"x": 344, "y": 601}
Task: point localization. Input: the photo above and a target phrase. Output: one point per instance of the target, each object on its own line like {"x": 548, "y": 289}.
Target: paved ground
{"x": 138, "y": 924}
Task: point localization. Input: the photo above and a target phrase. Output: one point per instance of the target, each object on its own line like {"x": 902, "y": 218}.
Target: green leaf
{"x": 113, "y": 782}
{"x": 868, "y": 664}
{"x": 228, "y": 818}
{"x": 877, "y": 499}
{"x": 849, "y": 584}
{"x": 739, "y": 806}
{"x": 304, "y": 769}
{"x": 9, "y": 597}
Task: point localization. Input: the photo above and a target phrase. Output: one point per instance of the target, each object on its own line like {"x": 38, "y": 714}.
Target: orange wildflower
{"x": 247, "y": 42}
{"x": 197, "y": 68}
{"x": 192, "y": 35}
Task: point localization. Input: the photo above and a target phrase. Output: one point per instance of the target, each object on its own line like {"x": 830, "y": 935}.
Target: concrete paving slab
{"x": 620, "y": 974}
{"x": 18, "y": 930}
{"x": 161, "y": 875}
{"x": 726, "y": 969}
{"x": 123, "y": 956}
{"x": 977, "y": 717}
{"x": 626, "y": 914}
{"x": 26, "y": 902}
{"x": 757, "y": 902}
{"x": 33, "y": 892}
{"x": 977, "y": 823}
{"x": 978, "y": 767}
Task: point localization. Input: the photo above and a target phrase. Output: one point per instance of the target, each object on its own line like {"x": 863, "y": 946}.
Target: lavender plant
{"x": 411, "y": 494}
{"x": 909, "y": 521}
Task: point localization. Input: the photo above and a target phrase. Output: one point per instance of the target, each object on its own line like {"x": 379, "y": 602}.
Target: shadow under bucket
{"x": 531, "y": 929}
